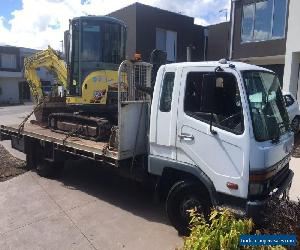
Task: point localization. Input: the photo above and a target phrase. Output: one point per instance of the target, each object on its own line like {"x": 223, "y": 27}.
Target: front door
{"x": 221, "y": 155}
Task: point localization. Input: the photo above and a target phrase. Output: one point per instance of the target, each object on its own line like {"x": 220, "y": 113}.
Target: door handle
{"x": 186, "y": 137}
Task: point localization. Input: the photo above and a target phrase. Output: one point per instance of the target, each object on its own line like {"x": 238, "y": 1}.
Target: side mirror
{"x": 208, "y": 96}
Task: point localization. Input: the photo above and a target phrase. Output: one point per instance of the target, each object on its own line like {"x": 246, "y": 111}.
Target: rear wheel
{"x": 49, "y": 169}
{"x": 37, "y": 161}
{"x": 295, "y": 124}
{"x": 184, "y": 196}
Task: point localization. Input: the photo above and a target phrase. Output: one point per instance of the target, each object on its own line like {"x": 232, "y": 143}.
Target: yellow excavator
{"x": 94, "y": 49}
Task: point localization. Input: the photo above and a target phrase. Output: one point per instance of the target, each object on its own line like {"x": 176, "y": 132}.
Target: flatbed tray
{"x": 74, "y": 145}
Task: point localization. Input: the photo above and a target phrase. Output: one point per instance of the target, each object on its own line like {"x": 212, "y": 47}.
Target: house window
{"x": 8, "y": 61}
{"x": 248, "y": 23}
{"x": 166, "y": 40}
{"x": 264, "y": 20}
{"x": 279, "y": 18}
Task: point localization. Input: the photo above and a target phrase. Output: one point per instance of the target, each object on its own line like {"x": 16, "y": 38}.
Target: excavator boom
{"x": 50, "y": 60}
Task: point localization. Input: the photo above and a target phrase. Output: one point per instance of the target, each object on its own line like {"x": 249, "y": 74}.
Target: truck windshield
{"x": 269, "y": 116}
{"x": 102, "y": 41}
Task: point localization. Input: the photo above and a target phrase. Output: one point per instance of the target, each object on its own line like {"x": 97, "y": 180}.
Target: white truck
{"x": 212, "y": 134}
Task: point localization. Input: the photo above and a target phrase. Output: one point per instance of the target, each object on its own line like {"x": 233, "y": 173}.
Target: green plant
{"x": 222, "y": 232}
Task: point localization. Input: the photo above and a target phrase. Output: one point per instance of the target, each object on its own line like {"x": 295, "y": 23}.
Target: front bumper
{"x": 254, "y": 208}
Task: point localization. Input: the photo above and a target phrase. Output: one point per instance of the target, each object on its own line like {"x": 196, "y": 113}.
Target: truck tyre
{"x": 30, "y": 161}
{"x": 49, "y": 169}
{"x": 183, "y": 196}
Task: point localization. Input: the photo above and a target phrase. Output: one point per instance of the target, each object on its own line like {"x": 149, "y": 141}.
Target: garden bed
{"x": 10, "y": 166}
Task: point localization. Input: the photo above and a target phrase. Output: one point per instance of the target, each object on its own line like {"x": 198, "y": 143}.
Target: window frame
{"x": 253, "y": 22}
{"x": 162, "y": 89}
{"x": 175, "y": 48}
{"x": 271, "y": 38}
{"x": 224, "y": 128}
{"x": 11, "y": 55}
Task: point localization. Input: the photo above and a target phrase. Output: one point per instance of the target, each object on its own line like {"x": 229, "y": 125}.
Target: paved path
{"x": 14, "y": 114}
{"x": 85, "y": 209}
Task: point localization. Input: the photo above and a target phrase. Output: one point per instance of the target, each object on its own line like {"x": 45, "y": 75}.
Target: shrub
{"x": 223, "y": 232}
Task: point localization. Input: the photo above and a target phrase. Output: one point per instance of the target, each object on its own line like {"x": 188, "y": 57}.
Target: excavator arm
{"x": 48, "y": 59}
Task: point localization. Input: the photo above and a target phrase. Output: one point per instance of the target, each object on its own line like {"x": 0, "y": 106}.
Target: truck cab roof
{"x": 223, "y": 63}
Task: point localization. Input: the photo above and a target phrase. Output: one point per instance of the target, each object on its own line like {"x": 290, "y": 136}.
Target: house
{"x": 292, "y": 59}
{"x": 10, "y": 74}
{"x": 258, "y": 33}
{"x": 150, "y": 28}
{"x": 218, "y": 40}
{"x": 13, "y": 87}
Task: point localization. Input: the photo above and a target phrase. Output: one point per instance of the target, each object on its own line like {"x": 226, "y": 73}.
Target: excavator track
{"x": 86, "y": 127}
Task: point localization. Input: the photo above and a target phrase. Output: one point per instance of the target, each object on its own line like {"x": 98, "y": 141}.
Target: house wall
{"x": 218, "y": 41}
{"x": 128, "y": 16}
{"x": 142, "y": 21}
{"x": 292, "y": 59}
{"x": 150, "y": 18}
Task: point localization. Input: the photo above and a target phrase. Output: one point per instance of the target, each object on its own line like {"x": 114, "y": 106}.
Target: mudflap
{"x": 18, "y": 143}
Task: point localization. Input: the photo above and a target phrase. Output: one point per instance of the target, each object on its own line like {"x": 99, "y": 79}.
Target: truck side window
{"x": 227, "y": 108}
{"x": 166, "y": 93}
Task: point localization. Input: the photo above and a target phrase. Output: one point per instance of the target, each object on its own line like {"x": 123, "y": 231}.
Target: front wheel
{"x": 184, "y": 196}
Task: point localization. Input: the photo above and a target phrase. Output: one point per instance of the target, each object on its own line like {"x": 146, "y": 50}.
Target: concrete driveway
{"x": 14, "y": 114}
{"x": 86, "y": 208}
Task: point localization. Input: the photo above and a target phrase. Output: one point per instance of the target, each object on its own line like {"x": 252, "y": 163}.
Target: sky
{"x": 39, "y": 23}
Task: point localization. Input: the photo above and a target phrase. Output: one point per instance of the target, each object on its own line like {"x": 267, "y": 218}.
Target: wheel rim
{"x": 189, "y": 203}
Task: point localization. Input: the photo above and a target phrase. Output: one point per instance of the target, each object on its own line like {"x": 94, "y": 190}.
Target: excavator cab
{"x": 95, "y": 47}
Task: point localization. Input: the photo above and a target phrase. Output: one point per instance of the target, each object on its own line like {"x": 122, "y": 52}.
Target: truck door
{"x": 221, "y": 155}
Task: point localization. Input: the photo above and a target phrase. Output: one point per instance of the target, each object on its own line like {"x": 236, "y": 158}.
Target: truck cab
{"x": 219, "y": 136}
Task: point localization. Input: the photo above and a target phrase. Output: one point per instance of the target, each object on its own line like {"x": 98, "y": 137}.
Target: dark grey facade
{"x": 142, "y": 23}
{"x": 218, "y": 41}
